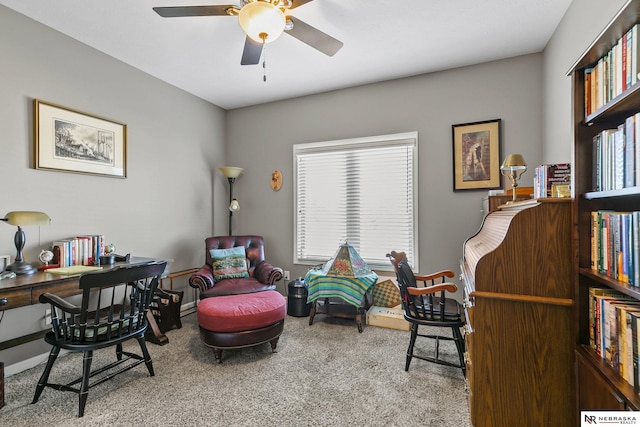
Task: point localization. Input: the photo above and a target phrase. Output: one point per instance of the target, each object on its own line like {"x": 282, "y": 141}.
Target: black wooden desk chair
{"x": 429, "y": 306}
{"x": 113, "y": 310}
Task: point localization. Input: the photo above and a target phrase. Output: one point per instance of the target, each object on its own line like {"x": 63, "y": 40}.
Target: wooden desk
{"x": 25, "y": 290}
{"x": 518, "y": 303}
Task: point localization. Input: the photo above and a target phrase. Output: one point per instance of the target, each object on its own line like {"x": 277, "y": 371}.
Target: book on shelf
{"x": 595, "y": 296}
{"x": 618, "y": 340}
{"x": 634, "y": 249}
{"x": 635, "y": 351}
{"x": 629, "y": 167}
{"x": 628, "y": 321}
{"x": 614, "y": 322}
{"x": 616, "y": 156}
{"x": 612, "y": 74}
{"x": 609, "y": 331}
{"x": 615, "y": 250}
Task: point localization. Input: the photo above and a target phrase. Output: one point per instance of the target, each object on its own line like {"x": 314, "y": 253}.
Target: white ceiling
{"x": 383, "y": 39}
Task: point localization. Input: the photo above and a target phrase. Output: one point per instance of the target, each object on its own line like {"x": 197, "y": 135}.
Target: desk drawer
{"x": 17, "y": 298}
{"x": 62, "y": 290}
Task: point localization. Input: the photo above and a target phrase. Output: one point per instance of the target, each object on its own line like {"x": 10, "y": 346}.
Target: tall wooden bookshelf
{"x": 599, "y": 386}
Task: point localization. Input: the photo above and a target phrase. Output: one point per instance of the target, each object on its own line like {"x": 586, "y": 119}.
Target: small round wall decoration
{"x": 276, "y": 180}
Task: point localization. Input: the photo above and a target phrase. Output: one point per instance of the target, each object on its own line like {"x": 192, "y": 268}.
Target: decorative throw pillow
{"x": 229, "y": 263}
{"x": 386, "y": 294}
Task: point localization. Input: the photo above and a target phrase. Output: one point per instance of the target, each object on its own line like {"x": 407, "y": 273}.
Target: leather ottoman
{"x": 236, "y": 321}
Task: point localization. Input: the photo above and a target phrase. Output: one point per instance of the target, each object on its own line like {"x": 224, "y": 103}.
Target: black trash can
{"x": 297, "y": 299}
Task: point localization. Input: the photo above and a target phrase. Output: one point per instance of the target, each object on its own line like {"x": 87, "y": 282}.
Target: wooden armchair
{"x": 113, "y": 310}
{"x": 429, "y": 306}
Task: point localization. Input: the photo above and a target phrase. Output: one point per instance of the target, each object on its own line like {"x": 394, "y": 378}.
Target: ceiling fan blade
{"x": 314, "y": 37}
{"x": 298, "y": 3}
{"x": 178, "y": 11}
{"x": 251, "y": 53}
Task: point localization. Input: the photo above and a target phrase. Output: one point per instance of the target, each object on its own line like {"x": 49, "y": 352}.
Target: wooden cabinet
{"x": 602, "y": 396}
{"x": 518, "y": 302}
{"x": 492, "y": 203}
{"x": 599, "y": 386}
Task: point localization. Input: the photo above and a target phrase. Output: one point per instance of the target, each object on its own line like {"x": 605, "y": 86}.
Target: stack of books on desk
{"x": 81, "y": 250}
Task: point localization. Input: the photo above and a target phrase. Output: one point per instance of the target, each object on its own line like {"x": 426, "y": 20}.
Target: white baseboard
{"x": 23, "y": 365}
{"x": 188, "y": 308}
{"x": 34, "y": 361}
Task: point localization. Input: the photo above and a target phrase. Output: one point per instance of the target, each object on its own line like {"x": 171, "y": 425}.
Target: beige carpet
{"x": 326, "y": 374}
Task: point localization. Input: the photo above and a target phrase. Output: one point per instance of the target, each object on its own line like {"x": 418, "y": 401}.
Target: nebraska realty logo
{"x": 608, "y": 418}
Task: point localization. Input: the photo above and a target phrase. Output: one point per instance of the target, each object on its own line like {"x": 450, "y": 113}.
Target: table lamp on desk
{"x": 20, "y": 219}
{"x": 513, "y": 167}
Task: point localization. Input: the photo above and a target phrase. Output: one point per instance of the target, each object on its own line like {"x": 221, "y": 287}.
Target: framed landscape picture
{"x": 72, "y": 141}
{"x": 476, "y": 155}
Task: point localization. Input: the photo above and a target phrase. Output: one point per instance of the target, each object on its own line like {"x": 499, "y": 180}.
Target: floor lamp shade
{"x": 231, "y": 173}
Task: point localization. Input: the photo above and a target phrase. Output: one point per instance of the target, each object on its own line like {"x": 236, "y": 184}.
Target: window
{"x": 362, "y": 191}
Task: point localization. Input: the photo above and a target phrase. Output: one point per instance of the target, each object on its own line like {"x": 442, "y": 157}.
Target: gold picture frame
{"x": 68, "y": 140}
{"x": 476, "y": 155}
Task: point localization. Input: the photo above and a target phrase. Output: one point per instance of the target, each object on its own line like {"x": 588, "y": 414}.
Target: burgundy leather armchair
{"x": 262, "y": 275}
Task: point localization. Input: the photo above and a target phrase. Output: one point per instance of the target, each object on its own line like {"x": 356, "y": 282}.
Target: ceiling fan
{"x": 262, "y": 21}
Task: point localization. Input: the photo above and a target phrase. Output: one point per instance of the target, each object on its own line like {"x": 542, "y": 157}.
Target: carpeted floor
{"x": 326, "y": 374}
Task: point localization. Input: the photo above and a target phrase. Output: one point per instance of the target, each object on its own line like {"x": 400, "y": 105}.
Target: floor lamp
{"x": 231, "y": 173}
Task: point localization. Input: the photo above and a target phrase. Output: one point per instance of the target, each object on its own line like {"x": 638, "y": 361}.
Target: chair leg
{"x": 53, "y": 355}
{"x": 119, "y": 351}
{"x": 86, "y": 374}
{"x": 459, "y": 340}
{"x": 145, "y": 353}
{"x": 412, "y": 342}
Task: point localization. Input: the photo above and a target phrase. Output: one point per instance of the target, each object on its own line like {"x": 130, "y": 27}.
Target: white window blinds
{"x": 359, "y": 190}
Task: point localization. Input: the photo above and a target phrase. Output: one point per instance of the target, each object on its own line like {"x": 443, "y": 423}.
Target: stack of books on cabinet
{"x": 552, "y": 180}
{"x": 81, "y": 250}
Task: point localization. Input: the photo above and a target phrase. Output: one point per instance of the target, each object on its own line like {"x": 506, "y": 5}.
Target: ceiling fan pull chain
{"x": 264, "y": 60}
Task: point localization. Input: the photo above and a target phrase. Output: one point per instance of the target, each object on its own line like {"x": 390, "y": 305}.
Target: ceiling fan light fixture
{"x": 261, "y": 21}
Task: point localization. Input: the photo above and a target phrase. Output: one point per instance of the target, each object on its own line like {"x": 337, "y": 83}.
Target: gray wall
{"x": 174, "y": 197}
{"x": 260, "y": 139}
{"x": 532, "y": 94}
{"x": 164, "y": 208}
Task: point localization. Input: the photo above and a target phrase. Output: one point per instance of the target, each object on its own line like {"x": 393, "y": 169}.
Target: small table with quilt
{"x": 342, "y": 287}
{"x": 340, "y": 296}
